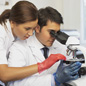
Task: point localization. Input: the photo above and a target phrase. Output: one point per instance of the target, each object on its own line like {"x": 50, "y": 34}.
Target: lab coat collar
{"x": 9, "y": 31}
{"x": 32, "y": 40}
{"x": 35, "y": 47}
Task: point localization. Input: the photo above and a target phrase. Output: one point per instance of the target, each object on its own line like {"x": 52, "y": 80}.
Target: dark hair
{"x": 21, "y": 12}
{"x": 48, "y": 13}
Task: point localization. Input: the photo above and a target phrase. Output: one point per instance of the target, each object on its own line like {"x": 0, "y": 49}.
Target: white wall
{"x": 70, "y": 10}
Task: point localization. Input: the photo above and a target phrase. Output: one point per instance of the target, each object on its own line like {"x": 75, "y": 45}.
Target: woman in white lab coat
{"x": 18, "y": 23}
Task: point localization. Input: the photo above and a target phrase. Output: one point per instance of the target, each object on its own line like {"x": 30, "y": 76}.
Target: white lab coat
{"x": 27, "y": 52}
{"x": 6, "y": 39}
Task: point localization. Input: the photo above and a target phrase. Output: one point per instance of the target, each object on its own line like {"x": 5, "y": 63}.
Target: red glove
{"x": 53, "y": 58}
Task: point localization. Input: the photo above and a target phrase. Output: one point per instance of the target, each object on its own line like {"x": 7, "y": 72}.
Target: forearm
{"x": 16, "y": 73}
{"x": 43, "y": 80}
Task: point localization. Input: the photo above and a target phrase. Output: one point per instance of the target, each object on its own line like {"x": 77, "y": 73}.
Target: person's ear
{"x": 12, "y": 24}
{"x": 37, "y": 29}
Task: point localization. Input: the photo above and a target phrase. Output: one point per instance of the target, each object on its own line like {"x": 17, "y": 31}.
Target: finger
{"x": 74, "y": 77}
{"x": 60, "y": 65}
{"x": 75, "y": 71}
{"x": 61, "y": 57}
{"x": 76, "y": 67}
{"x": 75, "y": 64}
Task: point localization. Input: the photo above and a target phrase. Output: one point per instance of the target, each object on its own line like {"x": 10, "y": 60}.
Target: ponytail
{"x": 5, "y": 15}
{"x": 21, "y": 12}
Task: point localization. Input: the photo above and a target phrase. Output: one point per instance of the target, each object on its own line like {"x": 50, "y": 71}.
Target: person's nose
{"x": 30, "y": 32}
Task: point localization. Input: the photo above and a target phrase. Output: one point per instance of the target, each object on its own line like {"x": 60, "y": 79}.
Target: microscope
{"x": 73, "y": 45}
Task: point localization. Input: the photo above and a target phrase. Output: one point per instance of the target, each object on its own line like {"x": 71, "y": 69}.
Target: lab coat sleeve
{"x": 3, "y": 58}
{"x": 17, "y": 59}
{"x": 35, "y": 80}
{"x": 16, "y": 56}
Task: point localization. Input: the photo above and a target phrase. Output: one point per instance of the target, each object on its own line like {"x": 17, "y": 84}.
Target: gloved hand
{"x": 53, "y": 58}
{"x": 67, "y": 73}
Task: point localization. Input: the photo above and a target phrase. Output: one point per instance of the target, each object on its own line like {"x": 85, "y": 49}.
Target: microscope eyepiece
{"x": 59, "y": 36}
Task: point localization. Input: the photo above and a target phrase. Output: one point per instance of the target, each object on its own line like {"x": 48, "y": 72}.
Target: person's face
{"x": 25, "y": 30}
{"x": 44, "y": 35}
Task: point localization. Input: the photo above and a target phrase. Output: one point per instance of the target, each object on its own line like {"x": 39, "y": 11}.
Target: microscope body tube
{"x": 59, "y": 36}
